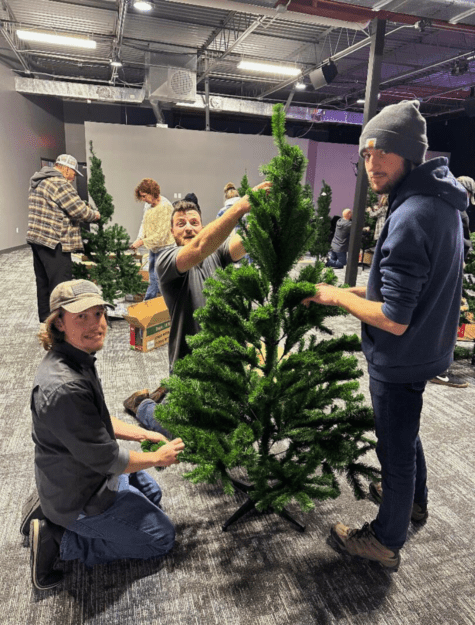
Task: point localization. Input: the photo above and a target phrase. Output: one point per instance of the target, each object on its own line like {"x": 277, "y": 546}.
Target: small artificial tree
{"x": 321, "y": 244}
{"x": 113, "y": 270}
{"x": 260, "y": 393}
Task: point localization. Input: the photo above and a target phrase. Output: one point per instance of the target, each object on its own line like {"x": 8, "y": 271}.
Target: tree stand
{"x": 249, "y": 505}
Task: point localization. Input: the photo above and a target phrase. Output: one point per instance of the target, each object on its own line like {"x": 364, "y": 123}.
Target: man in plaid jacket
{"x": 54, "y": 213}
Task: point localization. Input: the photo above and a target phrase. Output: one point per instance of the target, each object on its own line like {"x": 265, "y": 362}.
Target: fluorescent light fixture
{"x": 359, "y": 101}
{"x": 300, "y": 86}
{"x": 461, "y": 16}
{"x": 116, "y": 63}
{"x": 61, "y": 40}
{"x": 269, "y": 68}
{"x": 142, "y": 5}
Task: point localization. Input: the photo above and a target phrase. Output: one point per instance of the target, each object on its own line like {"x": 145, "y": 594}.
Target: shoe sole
{"x": 34, "y": 538}
{"x": 451, "y": 384}
{"x": 416, "y": 517}
{"x": 342, "y": 549}
{"x": 31, "y": 510}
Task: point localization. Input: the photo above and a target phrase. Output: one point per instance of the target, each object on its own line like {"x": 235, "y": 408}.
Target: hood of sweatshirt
{"x": 432, "y": 178}
{"x": 45, "y": 172}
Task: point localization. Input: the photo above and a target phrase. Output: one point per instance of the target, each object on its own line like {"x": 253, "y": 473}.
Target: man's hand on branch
{"x": 326, "y": 294}
{"x": 168, "y": 454}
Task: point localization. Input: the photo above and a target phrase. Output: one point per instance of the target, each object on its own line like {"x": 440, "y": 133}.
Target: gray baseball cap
{"x": 68, "y": 161}
{"x": 75, "y": 296}
{"x": 469, "y": 184}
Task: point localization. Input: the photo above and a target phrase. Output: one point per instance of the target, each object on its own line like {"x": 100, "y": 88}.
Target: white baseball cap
{"x": 68, "y": 161}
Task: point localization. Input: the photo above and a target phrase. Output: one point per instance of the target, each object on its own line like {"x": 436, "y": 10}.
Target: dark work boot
{"x": 132, "y": 403}
{"x": 45, "y": 538}
{"x": 31, "y": 510}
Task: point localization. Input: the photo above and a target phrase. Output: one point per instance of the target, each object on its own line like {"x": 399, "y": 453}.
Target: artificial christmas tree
{"x": 114, "y": 270}
{"x": 260, "y": 393}
{"x": 322, "y": 241}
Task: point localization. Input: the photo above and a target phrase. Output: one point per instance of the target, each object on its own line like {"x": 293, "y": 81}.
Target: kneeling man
{"x": 98, "y": 502}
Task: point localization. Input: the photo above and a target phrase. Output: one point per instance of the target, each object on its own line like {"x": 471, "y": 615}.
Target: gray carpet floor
{"x": 262, "y": 571}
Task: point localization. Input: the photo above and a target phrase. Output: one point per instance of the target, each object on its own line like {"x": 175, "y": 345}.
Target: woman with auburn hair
{"x": 154, "y": 230}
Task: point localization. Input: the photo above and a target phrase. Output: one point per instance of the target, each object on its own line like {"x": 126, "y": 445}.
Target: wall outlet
{"x": 179, "y": 196}
{"x": 174, "y": 196}
{"x": 17, "y": 230}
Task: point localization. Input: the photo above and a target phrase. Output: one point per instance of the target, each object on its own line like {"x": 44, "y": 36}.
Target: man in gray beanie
{"x": 409, "y": 312}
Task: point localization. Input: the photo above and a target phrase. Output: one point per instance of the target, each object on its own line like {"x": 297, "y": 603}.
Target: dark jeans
{"x": 336, "y": 259}
{"x": 145, "y": 413}
{"x": 134, "y": 526}
{"x": 397, "y": 411}
{"x": 51, "y": 268}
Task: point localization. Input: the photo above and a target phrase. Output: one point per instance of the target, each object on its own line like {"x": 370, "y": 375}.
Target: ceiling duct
{"x": 172, "y": 84}
{"x": 79, "y": 91}
{"x": 171, "y": 77}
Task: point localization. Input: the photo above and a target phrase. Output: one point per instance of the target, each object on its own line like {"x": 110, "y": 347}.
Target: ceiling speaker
{"x": 324, "y": 75}
{"x": 469, "y": 106}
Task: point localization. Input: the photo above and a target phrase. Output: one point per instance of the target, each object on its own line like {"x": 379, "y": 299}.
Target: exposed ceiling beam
{"x": 234, "y": 45}
{"x": 8, "y": 31}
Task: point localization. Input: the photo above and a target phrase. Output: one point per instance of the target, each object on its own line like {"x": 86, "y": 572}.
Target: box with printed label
{"x": 149, "y": 324}
{"x": 466, "y": 332}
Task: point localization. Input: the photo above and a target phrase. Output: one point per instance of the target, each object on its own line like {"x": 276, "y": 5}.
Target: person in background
{"x": 191, "y": 197}
{"x": 469, "y": 186}
{"x": 379, "y": 212}
{"x": 231, "y": 196}
{"x": 154, "y": 230}
{"x": 341, "y": 241}
{"x": 95, "y": 502}
{"x": 409, "y": 311}
{"x": 449, "y": 378}
{"x": 55, "y": 211}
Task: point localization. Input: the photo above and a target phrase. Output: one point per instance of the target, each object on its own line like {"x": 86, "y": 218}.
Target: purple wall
{"x": 336, "y": 164}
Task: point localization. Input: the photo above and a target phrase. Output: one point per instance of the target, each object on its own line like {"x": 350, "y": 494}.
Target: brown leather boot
{"x": 158, "y": 394}
{"x": 132, "y": 403}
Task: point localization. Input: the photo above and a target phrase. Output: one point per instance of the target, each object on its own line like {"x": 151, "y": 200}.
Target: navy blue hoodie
{"x": 417, "y": 272}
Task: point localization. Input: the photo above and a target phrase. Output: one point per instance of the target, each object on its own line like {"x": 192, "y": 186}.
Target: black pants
{"x": 51, "y": 267}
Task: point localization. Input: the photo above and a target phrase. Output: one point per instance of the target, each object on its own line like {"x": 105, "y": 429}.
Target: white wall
{"x": 181, "y": 161}
{"x": 30, "y": 128}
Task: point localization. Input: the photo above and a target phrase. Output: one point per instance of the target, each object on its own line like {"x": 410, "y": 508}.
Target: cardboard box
{"x": 466, "y": 332}
{"x": 149, "y": 324}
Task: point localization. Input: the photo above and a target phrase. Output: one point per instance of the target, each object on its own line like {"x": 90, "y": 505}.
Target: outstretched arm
{"x": 214, "y": 234}
{"x": 352, "y": 301}
{"x": 128, "y": 432}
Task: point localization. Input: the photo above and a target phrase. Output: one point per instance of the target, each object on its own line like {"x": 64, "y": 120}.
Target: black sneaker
{"x": 44, "y": 551}
{"x": 449, "y": 379}
{"x": 419, "y": 511}
{"x": 31, "y": 510}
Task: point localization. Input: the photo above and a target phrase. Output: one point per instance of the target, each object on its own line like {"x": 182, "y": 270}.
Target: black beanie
{"x": 191, "y": 197}
{"x": 399, "y": 129}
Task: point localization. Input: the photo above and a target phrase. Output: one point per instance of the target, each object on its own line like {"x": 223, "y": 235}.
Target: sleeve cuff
{"x": 121, "y": 462}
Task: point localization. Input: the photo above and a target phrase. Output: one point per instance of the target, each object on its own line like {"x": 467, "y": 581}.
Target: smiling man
{"x": 182, "y": 270}
{"x": 96, "y": 503}
{"x": 410, "y": 311}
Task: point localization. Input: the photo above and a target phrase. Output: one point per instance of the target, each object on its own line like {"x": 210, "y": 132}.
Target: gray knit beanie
{"x": 469, "y": 184}
{"x": 398, "y": 128}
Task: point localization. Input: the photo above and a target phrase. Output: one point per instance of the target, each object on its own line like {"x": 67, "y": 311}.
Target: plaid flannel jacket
{"x": 54, "y": 213}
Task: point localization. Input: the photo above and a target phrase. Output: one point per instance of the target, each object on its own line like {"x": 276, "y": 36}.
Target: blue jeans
{"x": 397, "y": 412}
{"x": 145, "y": 413}
{"x": 336, "y": 259}
{"x": 133, "y": 527}
{"x": 153, "y": 289}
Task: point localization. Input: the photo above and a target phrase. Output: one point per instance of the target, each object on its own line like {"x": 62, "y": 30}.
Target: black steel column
{"x": 378, "y": 28}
